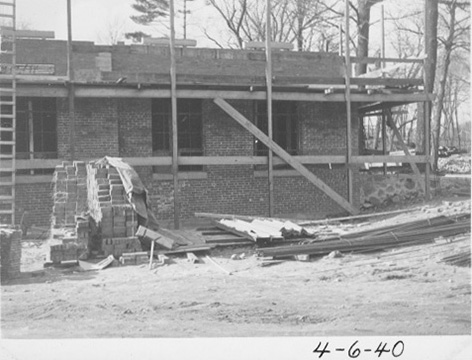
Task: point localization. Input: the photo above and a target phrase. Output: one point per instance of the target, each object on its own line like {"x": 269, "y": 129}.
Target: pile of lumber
{"x": 70, "y": 192}
{"x": 264, "y": 229}
{"x": 411, "y": 233}
{"x": 460, "y": 259}
{"x": 220, "y": 237}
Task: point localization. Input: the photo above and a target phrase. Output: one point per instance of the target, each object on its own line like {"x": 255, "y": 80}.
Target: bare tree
{"x": 301, "y": 21}
{"x": 113, "y": 31}
{"x": 363, "y": 26}
{"x": 455, "y": 37}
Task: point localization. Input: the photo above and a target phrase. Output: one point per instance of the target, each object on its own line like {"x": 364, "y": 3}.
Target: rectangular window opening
{"x": 284, "y": 129}
{"x": 36, "y": 131}
{"x": 189, "y": 131}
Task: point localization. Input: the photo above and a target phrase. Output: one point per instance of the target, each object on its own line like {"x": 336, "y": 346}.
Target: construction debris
{"x": 218, "y": 265}
{"x": 87, "y": 266}
{"x": 154, "y": 236}
{"x": 264, "y": 230}
{"x": 136, "y": 258}
{"x": 218, "y": 236}
{"x": 192, "y": 258}
{"x": 460, "y": 259}
{"x": 412, "y": 233}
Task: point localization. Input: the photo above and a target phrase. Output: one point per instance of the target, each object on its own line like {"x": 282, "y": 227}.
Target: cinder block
{"x": 119, "y": 231}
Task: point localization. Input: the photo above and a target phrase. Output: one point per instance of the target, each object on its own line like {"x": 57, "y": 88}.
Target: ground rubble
{"x": 234, "y": 291}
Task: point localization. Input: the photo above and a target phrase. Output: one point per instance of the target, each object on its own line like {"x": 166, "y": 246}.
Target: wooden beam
{"x": 284, "y": 155}
{"x": 417, "y": 159}
{"x": 405, "y": 149}
{"x": 25, "y": 90}
{"x": 173, "y": 90}
{"x": 227, "y": 160}
{"x": 241, "y": 80}
{"x": 427, "y": 148}
{"x": 384, "y": 140}
{"x": 348, "y": 106}
{"x": 268, "y": 74}
{"x": 373, "y": 60}
{"x": 70, "y": 88}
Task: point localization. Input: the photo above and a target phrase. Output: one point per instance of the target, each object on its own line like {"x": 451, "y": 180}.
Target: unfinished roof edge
{"x": 184, "y": 51}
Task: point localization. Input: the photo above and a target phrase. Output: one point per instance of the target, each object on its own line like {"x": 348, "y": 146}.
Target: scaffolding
{"x": 7, "y": 110}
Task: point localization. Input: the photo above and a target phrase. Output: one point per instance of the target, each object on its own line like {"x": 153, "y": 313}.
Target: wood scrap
{"x": 151, "y": 255}
{"x": 192, "y": 258}
{"x": 355, "y": 217}
{"x": 184, "y": 249}
{"x": 98, "y": 266}
{"x": 218, "y": 265}
{"x": 163, "y": 259}
{"x": 154, "y": 236}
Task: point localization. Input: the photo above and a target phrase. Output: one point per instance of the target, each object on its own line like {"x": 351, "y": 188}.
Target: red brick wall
{"x": 134, "y": 127}
{"x": 123, "y": 128}
{"x": 237, "y": 190}
{"x": 96, "y": 123}
{"x": 148, "y": 63}
{"x": 37, "y": 200}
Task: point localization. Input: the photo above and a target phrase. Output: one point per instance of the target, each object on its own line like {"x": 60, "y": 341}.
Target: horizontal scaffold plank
{"x": 228, "y": 160}
{"x": 373, "y": 60}
{"x": 126, "y": 92}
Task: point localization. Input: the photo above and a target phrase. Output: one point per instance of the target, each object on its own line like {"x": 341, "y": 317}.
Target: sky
{"x": 92, "y": 18}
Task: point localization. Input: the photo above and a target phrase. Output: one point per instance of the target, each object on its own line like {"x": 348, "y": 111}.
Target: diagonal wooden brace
{"x": 289, "y": 159}
{"x": 399, "y": 137}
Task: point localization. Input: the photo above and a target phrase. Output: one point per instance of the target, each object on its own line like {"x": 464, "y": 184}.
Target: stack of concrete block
{"x": 10, "y": 254}
{"x": 70, "y": 192}
{"x": 117, "y": 221}
{"x": 81, "y": 173}
{"x": 120, "y": 246}
{"x": 83, "y": 231}
{"x": 67, "y": 251}
{"x": 136, "y": 258}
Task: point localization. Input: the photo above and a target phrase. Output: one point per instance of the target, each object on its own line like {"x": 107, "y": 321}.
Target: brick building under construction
{"x": 84, "y": 101}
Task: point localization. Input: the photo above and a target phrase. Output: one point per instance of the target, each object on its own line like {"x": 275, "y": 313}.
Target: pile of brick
{"x": 10, "y": 253}
{"x": 120, "y": 246}
{"x": 115, "y": 218}
{"x": 67, "y": 251}
{"x": 91, "y": 208}
{"x": 70, "y": 193}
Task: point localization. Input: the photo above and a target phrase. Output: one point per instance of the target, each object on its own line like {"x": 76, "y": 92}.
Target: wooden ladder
{"x": 7, "y": 110}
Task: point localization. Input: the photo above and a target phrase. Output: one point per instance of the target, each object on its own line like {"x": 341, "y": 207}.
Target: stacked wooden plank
{"x": 70, "y": 192}
{"x": 219, "y": 236}
{"x": 10, "y": 252}
{"x": 460, "y": 259}
{"x": 264, "y": 229}
{"x": 412, "y": 233}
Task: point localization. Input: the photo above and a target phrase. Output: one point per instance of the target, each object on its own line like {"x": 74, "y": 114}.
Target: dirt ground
{"x": 406, "y": 291}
